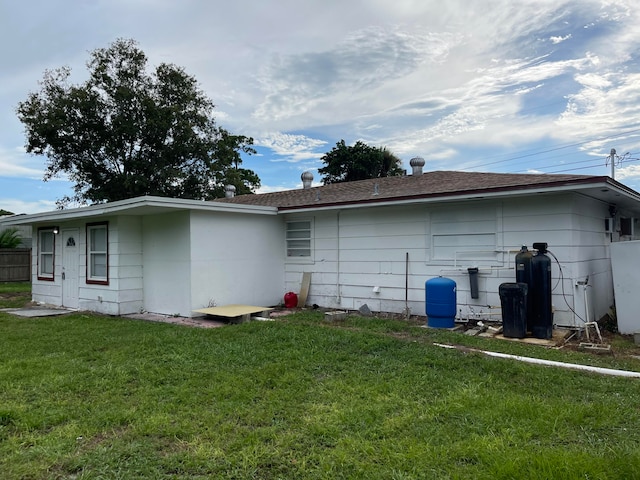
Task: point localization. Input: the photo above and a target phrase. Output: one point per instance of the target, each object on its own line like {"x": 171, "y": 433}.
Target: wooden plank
{"x": 304, "y": 289}
{"x": 232, "y": 311}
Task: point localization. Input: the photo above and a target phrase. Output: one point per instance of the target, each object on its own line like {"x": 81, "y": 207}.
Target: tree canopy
{"x": 360, "y": 161}
{"x": 125, "y": 132}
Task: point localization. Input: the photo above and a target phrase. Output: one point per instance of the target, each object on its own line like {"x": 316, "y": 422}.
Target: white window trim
{"x": 48, "y": 276}
{"x": 103, "y": 280}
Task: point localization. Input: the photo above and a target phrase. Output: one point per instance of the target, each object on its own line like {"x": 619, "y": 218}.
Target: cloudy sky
{"x": 482, "y": 85}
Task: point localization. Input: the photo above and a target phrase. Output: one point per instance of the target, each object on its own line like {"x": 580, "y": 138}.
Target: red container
{"x": 290, "y": 300}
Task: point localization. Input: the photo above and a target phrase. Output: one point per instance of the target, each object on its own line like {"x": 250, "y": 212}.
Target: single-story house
{"x": 373, "y": 242}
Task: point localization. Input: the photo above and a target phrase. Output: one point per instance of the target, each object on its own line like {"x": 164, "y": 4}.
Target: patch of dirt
{"x": 15, "y": 296}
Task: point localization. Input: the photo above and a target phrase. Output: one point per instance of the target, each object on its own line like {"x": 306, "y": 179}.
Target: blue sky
{"x": 484, "y": 85}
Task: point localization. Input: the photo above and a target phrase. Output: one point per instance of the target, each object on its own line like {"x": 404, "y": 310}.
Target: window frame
{"x": 90, "y": 277}
{"x": 46, "y": 276}
{"x": 309, "y": 238}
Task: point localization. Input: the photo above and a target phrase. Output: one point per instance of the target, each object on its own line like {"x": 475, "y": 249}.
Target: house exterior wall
{"x": 360, "y": 255}
{"x": 166, "y": 252}
{"x": 573, "y": 227}
{"x": 123, "y": 293}
{"x": 236, "y": 259}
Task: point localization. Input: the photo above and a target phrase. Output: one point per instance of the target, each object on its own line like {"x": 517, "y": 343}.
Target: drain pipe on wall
{"x": 407, "y": 310}
{"x": 548, "y": 363}
{"x": 338, "y": 296}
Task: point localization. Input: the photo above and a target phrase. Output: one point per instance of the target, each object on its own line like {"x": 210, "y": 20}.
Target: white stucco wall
{"x": 374, "y": 242}
{"x": 166, "y": 252}
{"x": 236, "y": 259}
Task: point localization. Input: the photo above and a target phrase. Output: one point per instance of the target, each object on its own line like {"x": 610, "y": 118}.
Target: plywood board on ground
{"x": 232, "y": 311}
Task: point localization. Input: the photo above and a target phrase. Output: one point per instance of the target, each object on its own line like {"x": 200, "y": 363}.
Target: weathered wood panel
{"x": 15, "y": 264}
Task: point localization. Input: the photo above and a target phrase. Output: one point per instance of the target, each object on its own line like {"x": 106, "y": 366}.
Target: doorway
{"x": 70, "y": 261}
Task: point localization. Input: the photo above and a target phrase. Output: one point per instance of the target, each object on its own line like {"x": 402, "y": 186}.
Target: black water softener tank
{"x": 524, "y": 275}
{"x": 541, "y": 323}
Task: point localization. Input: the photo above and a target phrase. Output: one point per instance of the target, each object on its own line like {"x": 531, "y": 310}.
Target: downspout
{"x": 338, "y": 298}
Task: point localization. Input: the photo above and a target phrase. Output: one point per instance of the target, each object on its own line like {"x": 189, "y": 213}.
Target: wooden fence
{"x": 15, "y": 264}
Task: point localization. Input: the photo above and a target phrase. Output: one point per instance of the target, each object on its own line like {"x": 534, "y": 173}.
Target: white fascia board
{"x": 129, "y": 206}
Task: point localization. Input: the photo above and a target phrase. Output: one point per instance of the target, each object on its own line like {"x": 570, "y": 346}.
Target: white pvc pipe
{"x": 550, "y": 363}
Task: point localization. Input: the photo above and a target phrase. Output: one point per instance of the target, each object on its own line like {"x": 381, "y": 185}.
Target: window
{"x": 299, "y": 239}
{"x": 97, "y": 253}
{"x": 46, "y": 253}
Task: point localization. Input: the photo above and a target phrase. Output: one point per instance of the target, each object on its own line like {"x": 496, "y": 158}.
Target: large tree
{"x": 345, "y": 163}
{"x": 126, "y": 132}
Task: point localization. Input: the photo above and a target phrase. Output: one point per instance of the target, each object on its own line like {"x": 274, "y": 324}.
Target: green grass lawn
{"x": 94, "y": 397}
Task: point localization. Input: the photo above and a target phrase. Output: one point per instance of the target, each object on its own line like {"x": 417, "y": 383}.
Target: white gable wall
{"x": 236, "y": 259}
{"x": 360, "y": 249}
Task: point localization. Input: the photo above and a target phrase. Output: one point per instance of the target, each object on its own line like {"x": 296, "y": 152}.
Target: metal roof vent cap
{"x": 307, "y": 179}
{"x": 416, "y": 164}
{"x": 229, "y": 191}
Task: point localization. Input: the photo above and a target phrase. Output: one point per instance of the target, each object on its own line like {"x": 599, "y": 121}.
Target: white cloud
{"x": 20, "y": 206}
{"x": 271, "y": 188}
{"x": 605, "y": 105}
{"x": 626, "y": 173}
{"x": 556, "y": 40}
{"x": 300, "y": 85}
{"x": 14, "y": 164}
{"x": 293, "y": 147}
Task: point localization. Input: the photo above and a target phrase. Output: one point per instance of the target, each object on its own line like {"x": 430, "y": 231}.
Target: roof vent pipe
{"x": 229, "y": 191}
{"x": 307, "y": 179}
{"x": 416, "y": 164}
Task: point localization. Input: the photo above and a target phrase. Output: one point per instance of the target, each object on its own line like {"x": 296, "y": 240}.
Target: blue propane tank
{"x": 440, "y": 296}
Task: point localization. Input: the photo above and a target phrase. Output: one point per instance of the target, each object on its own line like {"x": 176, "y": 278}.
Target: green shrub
{"x": 10, "y": 238}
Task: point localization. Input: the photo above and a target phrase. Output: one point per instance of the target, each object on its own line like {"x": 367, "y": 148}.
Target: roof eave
{"x": 130, "y": 206}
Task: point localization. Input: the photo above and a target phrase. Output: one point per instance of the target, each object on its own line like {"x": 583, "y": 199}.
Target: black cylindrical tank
{"x": 524, "y": 275}
{"x": 541, "y": 324}
{"x": 513, "y": 301}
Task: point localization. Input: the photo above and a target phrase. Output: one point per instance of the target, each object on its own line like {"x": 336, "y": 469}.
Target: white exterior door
{"x": 70, "y": 261}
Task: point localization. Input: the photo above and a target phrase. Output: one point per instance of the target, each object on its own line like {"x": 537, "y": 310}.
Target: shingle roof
{"x": 430, "y": 184}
